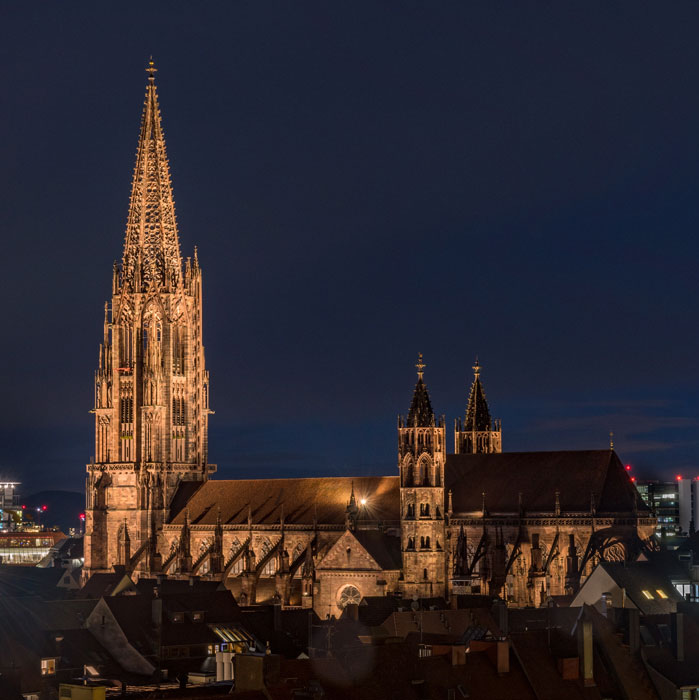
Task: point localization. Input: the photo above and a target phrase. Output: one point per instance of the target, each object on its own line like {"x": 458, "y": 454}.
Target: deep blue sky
{"x": 364, "y": 181}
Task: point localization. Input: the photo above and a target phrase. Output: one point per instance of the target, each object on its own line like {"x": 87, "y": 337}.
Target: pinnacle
{"x": 421, "y": 413}
{"x": 477, "y": 411}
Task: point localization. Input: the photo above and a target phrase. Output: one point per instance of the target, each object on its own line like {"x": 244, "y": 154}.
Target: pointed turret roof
{"x": 477, "y": 412}
{"x": 420, "y": 413}
{"x": 152, "y": 248}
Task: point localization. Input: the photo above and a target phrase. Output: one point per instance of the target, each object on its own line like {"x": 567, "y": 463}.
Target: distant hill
{"x": 63, "y": 508}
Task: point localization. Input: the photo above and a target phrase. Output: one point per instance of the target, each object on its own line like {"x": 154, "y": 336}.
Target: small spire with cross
{"x": 611, "y": 440}
{"x": 420, "y": 366}
{"x": 476, "y": 368}
{"x": 151, "y": 70}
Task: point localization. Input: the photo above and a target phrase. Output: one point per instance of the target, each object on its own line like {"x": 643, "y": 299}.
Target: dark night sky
{"x": 364, "y": 181}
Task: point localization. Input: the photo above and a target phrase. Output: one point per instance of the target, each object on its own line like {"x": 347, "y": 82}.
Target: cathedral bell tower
{"x": 479, "y": 433}
{"x": 421, "y": 461}
{"x": 151, "y": 386}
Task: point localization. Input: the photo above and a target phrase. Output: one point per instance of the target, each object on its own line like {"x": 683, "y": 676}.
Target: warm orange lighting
{"x": 363, "y": 501}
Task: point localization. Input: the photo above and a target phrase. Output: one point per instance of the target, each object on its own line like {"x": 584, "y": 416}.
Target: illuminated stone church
{"x": 524, "y": 526}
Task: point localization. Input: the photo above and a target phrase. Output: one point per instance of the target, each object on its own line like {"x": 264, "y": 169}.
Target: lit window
{"x": 660, "y": 593}
{"x": 48, "y": 667}
{"x": 647, "y": 594}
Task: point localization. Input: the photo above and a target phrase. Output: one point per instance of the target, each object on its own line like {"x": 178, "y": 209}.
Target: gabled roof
{"x": 301, "y": 500}
{"x": 634, "y": 579}
{"x": 576, "y": 475}
{"x": 110, "y": 584}
{"x": 30, "y": 580}
{"x": 380, "y": 550}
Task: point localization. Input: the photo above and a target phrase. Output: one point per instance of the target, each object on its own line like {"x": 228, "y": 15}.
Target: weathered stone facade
{"x": 524, "y": 526}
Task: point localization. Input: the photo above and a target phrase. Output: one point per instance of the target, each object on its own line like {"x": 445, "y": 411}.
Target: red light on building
{"x": 82, "y": 516}
{"x": 628, "y": 467}
{"x": 25, "y": 507}
{"x": 633, "y": 478}
{"x": 679, "y": 478}
{"x": 44, "y": 507}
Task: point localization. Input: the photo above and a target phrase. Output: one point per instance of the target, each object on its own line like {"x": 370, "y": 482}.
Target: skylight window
{"x": 647, "y": 594}
{"x": 661, "y": 593}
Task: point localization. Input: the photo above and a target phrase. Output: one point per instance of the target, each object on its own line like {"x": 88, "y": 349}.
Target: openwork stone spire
{"x": 478, "y": 433}
{"x": 477, "y": 412}
{"x": 421, "y": 413}
{"x": 152, "y": 249}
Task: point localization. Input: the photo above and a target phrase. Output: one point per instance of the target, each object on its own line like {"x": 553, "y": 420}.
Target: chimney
{"x": 157, "y": 611}
{"x": 634, "y": 630}
{"x": 586, "y": 650}
{"x": 677, "y": 630}
{"x": 277, "y": 617}
{"x": 500, "y": 615}
{"x": 503, "y": 656}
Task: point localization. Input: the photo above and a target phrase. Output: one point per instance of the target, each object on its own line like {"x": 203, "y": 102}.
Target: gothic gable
{"x": 349, "y": 555}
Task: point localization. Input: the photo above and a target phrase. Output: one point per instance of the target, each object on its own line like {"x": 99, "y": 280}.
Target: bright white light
{"x": 363, "y": 501}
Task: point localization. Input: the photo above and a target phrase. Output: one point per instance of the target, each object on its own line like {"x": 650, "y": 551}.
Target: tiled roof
{"x": 537, "y": 476}
{"x": 644, "y": 576}
{"x": 301, "y": 499}
{"x": 385, "y": 549}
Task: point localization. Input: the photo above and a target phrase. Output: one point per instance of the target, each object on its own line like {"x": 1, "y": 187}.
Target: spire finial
{"x": 420, "y": 366}
{"x": 476, "y": 368}
{"x": 151, "y": 70}
{"x": 611, "y": 440}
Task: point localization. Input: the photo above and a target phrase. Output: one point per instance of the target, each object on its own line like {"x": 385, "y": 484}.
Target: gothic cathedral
{"x": 523, "y": 526}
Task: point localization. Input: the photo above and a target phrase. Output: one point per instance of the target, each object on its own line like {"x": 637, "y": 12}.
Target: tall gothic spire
{"x": 152, "y": 249}
{"x": 477, "y": 412}
{"x": 421, "y": 413}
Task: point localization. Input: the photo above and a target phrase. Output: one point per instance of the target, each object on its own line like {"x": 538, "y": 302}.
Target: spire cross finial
{"x": 476, "y": 368}
{"x": 151, "y": 70}
{"x": 611, "y": 440}
{"x": 420, "y": 366}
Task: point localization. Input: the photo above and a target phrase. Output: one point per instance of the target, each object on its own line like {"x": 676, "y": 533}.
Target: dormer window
{"x": 178, "y": 617}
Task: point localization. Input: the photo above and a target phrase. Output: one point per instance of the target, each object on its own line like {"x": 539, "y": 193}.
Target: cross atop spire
{"x": 151, "y": 70}
{"x": 152, "y": 249}
{"x": 477, "y": 368}
{"x": 420, "y": 366}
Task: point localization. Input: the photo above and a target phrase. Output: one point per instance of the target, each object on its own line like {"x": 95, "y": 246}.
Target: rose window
{"x": 349, "y": 595}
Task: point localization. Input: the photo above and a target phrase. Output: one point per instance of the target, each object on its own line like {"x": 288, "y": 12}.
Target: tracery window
{"x": 349, "y": 595}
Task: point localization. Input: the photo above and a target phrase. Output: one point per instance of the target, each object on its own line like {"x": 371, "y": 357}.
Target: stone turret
{"x": 421, "y": 462}
{"x": 478, "y": 433}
